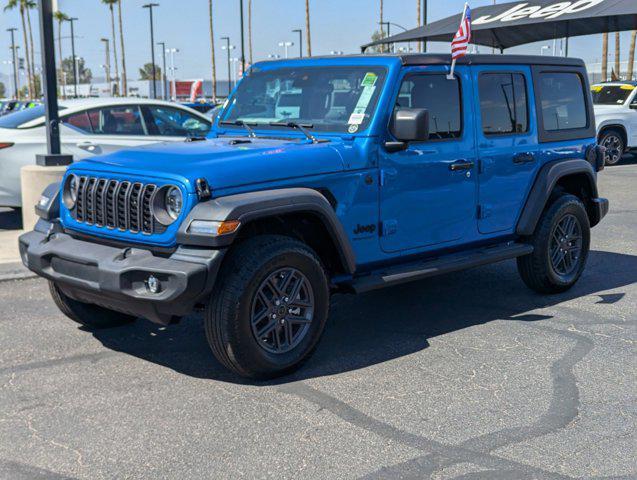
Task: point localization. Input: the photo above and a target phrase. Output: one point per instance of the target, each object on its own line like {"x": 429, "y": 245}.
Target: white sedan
{"x": 90, "y": 127}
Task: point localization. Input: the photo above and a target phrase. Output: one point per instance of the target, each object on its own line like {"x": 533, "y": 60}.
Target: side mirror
{"x": 410, "y": 125}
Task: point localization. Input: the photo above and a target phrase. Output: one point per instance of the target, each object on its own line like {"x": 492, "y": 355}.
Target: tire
{"x": 539, "y": 270}
{"x": 238, "y": 320}
{"x": 87, "y": 314}
{"x": 615, "y": 146}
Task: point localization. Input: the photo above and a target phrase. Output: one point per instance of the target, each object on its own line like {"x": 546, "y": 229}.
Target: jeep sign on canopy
{"x": 509, "y": 24}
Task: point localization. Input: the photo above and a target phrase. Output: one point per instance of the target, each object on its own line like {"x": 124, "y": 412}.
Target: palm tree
{"x": 61, "y": 17}
{"x": 418, "y": 21}
{"x": 29, "y": 5}
{"x": 631, "y": 56}
{"x": 618, "y": 65}
{"x": 250, "y": 30}
{"x": 307, "y": 28}
{"x": 124, "y": 90}
{"x": 11, "y": 4}
{"x": 604, "y": 56}
{"x": 111, "y": 4}
{"x": 212, "y": 53}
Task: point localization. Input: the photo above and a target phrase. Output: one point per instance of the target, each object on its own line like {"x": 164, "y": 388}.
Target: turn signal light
{"x": 5, "y": 145}
{"x": 214, "y": 228}
{"x": 228, "y": 227}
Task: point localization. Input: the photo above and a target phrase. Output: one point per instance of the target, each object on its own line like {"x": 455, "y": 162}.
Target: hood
{"x": 223, "y": 162}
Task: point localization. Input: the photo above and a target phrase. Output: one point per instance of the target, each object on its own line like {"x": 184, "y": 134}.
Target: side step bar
{"x": 418, "y": 270}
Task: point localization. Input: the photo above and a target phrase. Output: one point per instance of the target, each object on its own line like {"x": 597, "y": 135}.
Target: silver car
{"x": 89, "y": 127}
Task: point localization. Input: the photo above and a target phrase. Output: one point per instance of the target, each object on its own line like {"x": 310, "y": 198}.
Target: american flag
{"x": 462, "y": 38}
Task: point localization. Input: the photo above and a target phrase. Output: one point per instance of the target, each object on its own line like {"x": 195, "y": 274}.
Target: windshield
{"x": 20, "y": 117}
{"x": 611, "y": 94}
{"x": 328, "y": 99}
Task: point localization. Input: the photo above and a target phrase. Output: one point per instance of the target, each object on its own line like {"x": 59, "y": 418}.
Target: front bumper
{"x": 116, "y": 278}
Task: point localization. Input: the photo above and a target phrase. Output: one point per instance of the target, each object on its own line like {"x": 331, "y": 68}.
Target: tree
{"x": 377, "y": 35}
{"x": 111, "y": 4}
{"x": 212, "y": 52}
{"x": 61, "y": 18}
{"x": 21, "y": 5}
{"x": 618, "y": 65}
{"x": 84, "y": 74}
{"x": 307, "y": 28}
{"x": 146, "y": 72}
{"x": 29, "y": 4}
{"x": 382, "y": 24}
{"x": 604, "y": 56}
{"x": 631, "y": 56}
{"x": 3, "y": 90}
{"x": 124, "y": 90}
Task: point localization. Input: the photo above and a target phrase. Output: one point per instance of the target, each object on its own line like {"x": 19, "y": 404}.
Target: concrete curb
{"x": 14, "y": 271}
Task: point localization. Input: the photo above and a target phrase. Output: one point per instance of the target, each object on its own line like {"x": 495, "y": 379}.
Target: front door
{"x": 428, "y": 191}
{"x": 507, "y": 144}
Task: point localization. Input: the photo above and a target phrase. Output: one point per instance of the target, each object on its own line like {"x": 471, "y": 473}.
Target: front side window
{"x": 117, "y": 120}
{"x": 563, "y": 101}
{"x": 178, "y": 123}
{"x": 328, "y": 99}
{"x": 611, "y": 94}
{"x": 503, "y": 103}
{"x": 79, "y": 121}
{"x": 441, "y": 97}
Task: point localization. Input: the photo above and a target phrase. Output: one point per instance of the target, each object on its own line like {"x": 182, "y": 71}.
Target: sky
{"x": 337, "y": 25}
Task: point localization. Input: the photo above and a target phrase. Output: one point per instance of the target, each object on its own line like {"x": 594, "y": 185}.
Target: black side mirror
{"x": 409, "y": 125}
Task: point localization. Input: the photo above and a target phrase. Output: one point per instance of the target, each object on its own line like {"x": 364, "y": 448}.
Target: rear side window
{"x": 503, "y": 103}
{"x": 438, "y": 95}
{"x": 118, "y": 120}
{"x": 562, "y": 101}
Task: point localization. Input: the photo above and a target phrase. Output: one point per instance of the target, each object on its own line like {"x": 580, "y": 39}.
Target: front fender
{"x": 246, "y": 207}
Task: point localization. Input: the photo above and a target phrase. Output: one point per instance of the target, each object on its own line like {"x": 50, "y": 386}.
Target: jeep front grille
{"x": 125, "y": 206}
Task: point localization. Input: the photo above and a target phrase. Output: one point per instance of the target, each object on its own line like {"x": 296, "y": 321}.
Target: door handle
{"x": 88, "y": 146}
{"x": 523, "y": 158}
{"x": 461, "y": 165}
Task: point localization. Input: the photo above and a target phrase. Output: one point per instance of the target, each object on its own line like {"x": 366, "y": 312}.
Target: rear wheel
{"x": 269, "y": 307}
{"x": 613, "y": 141}
{"x": 85, "y": 313}
{"x": 561, "y": 243}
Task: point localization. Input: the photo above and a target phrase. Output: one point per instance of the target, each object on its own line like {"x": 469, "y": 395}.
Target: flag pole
{"x": 453, "y": 61}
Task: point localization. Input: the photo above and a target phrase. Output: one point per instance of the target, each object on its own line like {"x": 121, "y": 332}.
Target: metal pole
{"x": 75, "y": 79}
{"x": 227, "y": 39}
{"x": 163, "y": 76}
{"x": 150, "y": 6}
{"x": 108, "y": 62}
{"x": 15, "y": 63}
{"x": 243, "y": 56}
{"x": 424, "y": 22}
{"x": 300, "y": 32}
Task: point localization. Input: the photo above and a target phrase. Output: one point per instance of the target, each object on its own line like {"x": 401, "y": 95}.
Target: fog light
{"x": 153, "y": 284}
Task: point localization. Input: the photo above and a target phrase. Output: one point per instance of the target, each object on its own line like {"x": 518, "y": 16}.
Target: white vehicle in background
{"x": 616, "y": 116}
{"x": 93, "y": 126}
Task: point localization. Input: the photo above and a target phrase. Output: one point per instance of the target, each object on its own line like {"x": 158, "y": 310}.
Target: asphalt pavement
{"x": 466, "y": 376}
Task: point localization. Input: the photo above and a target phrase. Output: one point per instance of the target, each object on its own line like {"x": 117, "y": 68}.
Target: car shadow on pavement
{"x": 380, "y": 326}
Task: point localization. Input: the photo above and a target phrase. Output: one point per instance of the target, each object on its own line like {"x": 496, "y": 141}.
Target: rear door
{"x": 507, "y": 144}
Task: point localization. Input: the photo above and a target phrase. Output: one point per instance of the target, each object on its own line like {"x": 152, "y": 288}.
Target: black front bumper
{"x": 116, "y": 278}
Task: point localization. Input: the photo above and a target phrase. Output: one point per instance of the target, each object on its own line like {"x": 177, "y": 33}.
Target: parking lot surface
{"x": 466, "y": 376}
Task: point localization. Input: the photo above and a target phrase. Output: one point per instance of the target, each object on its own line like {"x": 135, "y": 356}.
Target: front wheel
{"x": 561, "y": 243}
{"x": 269, "y": 307}
{"x": 613, "y": 141}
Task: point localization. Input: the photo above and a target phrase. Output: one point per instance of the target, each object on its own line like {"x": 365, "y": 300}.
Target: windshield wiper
{"x": 241, "y": 123}
{"x": 301, "y": 127}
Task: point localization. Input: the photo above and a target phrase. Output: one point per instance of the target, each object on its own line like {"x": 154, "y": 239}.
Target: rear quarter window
{"x": 563, "y": 101}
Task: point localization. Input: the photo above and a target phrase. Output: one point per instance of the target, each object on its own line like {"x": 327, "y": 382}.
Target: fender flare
{"x": 545, "y": 182}
{"x": 613, "y": 124}
{"x": 250, "y": 206}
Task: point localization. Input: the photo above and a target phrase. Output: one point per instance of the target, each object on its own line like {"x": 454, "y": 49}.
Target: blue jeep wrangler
{"x": 324, "y": 175}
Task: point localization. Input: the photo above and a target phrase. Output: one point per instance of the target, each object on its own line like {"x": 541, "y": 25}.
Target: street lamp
{"x": 243, "y": 47}
{"x": 286, "y": 45}
{"x": 75, "y": 79}
{"x": 228, "y": 47}
{"x": 300, "y": 32}
{"x": 107, "y": 65}
{"x": 15, "y": 63}
{"x": 171, "y": 52}
{"x": 150, "y": 7}
{"x": 163, "y": 72}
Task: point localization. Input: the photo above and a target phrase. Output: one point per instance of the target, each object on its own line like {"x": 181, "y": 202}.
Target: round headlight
{"x": 173, "y": 202}
{"x": 69, "y": 195}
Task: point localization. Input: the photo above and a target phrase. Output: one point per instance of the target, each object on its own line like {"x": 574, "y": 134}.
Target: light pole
{"x": 286, "y": 45}
{"x": 75, "y": 79}
{"x": 163, "y": 72}
{"x": 15, "y": 63}
{"x": 150, "y": 7}
{"x": 388, "y": 32}
{"x": 243, "y": 47}
{"x": 424, "y": 22}
{"x": 173, "y": 76}
{"x": 107, "y": 65}
{"x": 300, "y": 32}
{"x": 228, "y": 47}
{"x": 234, "y": 61}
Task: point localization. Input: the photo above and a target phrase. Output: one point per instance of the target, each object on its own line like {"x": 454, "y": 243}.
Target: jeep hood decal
{"x": 224, "y": 162}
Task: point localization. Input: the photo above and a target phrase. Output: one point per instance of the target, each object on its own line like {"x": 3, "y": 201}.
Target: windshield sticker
{"x": 364, "y": 100}
{"x": 352, "y": 128}
{"x": 356, "y": 118}
{"x": 597, "y": 88}
{"x": 369, "y": 80}
{"x": 627, "y": 87}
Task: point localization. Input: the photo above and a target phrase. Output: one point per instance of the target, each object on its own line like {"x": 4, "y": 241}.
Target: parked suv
{"x": 615, "y": 107}
{"x": 405, "y": 174}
